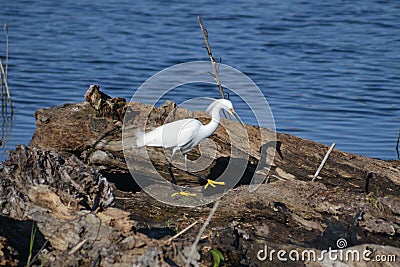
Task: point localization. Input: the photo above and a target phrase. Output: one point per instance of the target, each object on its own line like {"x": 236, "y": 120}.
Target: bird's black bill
{"x": 237, "y": 118}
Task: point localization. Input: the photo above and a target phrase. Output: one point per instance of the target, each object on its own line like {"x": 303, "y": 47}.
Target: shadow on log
{"x": 18, "y": 234}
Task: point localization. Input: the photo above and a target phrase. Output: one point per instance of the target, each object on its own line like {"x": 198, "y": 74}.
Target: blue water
{"x": 329, "y": 69}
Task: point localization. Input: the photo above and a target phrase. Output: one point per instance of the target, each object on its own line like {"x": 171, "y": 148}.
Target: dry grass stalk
{"x": 397, "y": 146}
{"x": 4, "y": 72}
{"x": 5, "y": 82}
{"x": 6, "y": 30}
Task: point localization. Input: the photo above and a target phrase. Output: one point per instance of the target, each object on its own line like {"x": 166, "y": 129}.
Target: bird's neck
{"x": 210, "y": 127}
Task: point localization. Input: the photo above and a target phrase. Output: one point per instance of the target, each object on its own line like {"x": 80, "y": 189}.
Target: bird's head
{"x": 224, "y": 104}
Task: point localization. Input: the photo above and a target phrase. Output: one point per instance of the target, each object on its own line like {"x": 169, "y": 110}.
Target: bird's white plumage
{"x": 174, "y": 134}
{"x": 185, "y": 134}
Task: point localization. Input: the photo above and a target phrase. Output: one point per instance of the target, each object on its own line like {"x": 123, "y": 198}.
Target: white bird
{"x": 185, "y": 134}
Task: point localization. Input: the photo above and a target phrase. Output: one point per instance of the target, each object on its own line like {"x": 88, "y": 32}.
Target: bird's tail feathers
{"x": 139, "y": 137}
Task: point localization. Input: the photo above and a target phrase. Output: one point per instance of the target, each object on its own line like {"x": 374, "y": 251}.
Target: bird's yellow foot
{"x": 183, "y": 193}
{"x": 213, "y": 183}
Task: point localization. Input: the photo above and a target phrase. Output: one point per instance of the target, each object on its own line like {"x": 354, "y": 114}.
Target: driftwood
{"x": 58, "y": 183}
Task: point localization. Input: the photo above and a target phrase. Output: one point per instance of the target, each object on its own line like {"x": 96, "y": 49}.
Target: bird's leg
{"x": 170, "y": 169}
{"x": 209, "y": 181}
{"x": 174, "y": 185}
{"x": 171, "y": 174}
{"x": 186, "y": 168}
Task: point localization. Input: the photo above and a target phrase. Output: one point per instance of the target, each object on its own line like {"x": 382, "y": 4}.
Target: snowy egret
{"x": 183, "y": 135}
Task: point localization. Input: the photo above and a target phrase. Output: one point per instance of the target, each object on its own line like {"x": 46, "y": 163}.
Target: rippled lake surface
{"x": 330, "y": 70}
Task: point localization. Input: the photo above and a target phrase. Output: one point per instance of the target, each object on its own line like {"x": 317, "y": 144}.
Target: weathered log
{"x": 97, "y": 140}
{"x": 355, "y": 197}
{"x": 69, "y": 202}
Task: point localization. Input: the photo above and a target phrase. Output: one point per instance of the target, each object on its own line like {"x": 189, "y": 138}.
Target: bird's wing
{"x": 188, "y": 132}
{"x": 174, "y": 134}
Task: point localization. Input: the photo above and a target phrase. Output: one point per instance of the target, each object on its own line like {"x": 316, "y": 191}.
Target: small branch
{"x": 213, "y": 63}
{"x": 4, "y": 73}
{"x": 78, "y": 246}
{"x": 5, "y": 83}
{"x": 5, "y": 27}
{"x": 194, "y": 245}
{"x": 183, "y": 231}
{"x": 323, "y": 162}
{"x": 2, "y": 91}
{"x": 397, "y": 147}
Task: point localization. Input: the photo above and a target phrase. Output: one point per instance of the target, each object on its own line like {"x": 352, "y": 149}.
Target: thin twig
{"x": 1, "y": 87}
{"x": 196, "y": 241}
{"x": 183, "y": 231}
{"x": 6, "y": 84}
{"x": 213, "y": 63}
{"x": 78, "y": 246}
{"x": 397, "y": 147}
{"x": 6, "y": 30}
{"x": 323, "y": 161}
